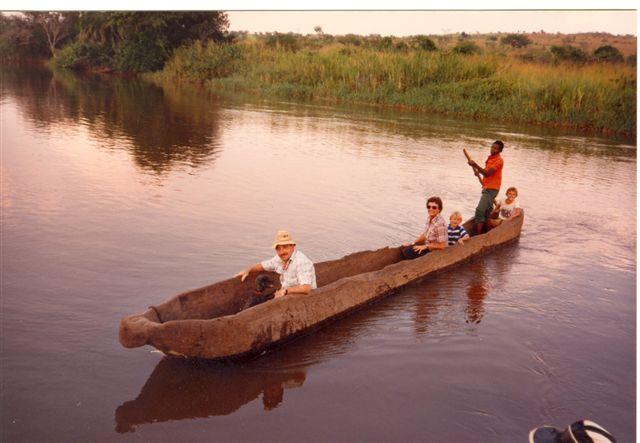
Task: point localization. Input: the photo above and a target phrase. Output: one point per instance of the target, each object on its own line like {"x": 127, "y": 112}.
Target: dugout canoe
{"x": 210, "y": 322}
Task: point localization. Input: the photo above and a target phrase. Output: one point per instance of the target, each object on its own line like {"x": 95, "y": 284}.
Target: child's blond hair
{"x": 514, "y": 189}
{"x": 456, "y": 214}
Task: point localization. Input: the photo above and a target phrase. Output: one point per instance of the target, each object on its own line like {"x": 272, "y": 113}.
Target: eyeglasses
{"x": 432, "y": 207}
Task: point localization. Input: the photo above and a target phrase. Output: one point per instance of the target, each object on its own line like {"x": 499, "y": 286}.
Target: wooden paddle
{"x": 476, "y": 173}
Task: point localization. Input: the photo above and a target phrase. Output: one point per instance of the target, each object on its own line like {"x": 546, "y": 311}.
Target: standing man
{"x": 297, "y": 274}
{"x": 491, "y": 180}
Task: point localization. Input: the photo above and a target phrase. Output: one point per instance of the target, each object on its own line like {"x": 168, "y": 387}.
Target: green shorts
{"x": 485, "y": 205}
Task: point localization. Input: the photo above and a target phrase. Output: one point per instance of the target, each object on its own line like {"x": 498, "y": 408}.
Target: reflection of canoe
{"x": 178, "y": 390}
{"x": 209, "y": 322}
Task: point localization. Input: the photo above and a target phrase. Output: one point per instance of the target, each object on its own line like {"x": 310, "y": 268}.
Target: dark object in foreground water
{"x": 211, "y": 323}
{"x": 265, "y": 291}
{"x": 583, "y": 431}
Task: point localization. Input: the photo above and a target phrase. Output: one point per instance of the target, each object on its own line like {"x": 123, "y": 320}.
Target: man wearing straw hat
{"x": 297, "y": 274}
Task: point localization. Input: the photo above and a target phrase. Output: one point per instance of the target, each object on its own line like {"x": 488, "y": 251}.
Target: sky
{"x": 409, "y": 17}
{"x": 402, "y": 23}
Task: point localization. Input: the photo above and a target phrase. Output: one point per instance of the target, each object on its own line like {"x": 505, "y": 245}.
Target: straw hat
{"x": 283, "y": 238}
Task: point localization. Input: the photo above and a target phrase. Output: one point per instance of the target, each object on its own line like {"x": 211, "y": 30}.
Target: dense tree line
{"x": 125, "y": 41}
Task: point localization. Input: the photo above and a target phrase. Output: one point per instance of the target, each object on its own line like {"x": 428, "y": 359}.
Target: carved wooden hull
{"x": 209, "y": 322}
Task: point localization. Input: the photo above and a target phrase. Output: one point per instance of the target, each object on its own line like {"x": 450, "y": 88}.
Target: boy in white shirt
{"x": 507, "y": 207}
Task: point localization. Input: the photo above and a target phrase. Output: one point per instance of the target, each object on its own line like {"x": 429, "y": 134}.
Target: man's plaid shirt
{"x": 300, "y": 270}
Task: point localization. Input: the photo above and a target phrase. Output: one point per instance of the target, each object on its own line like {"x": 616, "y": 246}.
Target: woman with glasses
{"x": 435, "y": 235}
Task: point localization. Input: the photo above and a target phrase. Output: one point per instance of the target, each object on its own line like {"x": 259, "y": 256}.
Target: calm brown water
{"x": 117, "y": 194}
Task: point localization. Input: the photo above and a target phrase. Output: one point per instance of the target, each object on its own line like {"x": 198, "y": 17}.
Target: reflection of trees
{"x": 161, "y": 127}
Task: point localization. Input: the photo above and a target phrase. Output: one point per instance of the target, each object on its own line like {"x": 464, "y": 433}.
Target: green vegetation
{"x": 608, "y": 53}
{"x": 577, "y": 81}
{"x": 593, "y": 96}
{"x": 120, "y": 41}
{"x": 515, "y": 40}
{"x": 568, "y": 53}
{"x": 423, "y": 42}
{"x": 467, "y": 48}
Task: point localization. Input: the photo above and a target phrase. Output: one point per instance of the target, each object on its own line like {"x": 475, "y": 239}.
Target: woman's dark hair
{"x": 500, "y": 144}
{"x": 435, "y": 200}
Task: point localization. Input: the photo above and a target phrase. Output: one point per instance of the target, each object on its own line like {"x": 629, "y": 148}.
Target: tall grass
{"x": 599, "y": 97}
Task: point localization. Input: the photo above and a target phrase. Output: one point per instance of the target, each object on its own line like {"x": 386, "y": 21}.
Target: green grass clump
{"x": 201, "y": 62}
{"x": 490, "y": 85}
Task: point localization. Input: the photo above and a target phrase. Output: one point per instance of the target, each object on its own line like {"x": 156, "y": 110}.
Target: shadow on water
{"x": 160, "y": 127}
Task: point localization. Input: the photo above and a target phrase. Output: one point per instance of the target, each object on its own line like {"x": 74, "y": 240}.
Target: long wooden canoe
{"x": 210, "y": 322}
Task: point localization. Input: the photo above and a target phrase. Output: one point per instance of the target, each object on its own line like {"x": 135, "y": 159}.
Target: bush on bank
{"x": 593, "y": 96}
{"x": 201, "y": 62}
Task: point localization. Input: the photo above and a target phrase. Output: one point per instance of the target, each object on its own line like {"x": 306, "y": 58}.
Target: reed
{"x": 600, "y": 97}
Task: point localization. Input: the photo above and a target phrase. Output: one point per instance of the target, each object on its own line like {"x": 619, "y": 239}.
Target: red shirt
{"x": 496, "y": 163}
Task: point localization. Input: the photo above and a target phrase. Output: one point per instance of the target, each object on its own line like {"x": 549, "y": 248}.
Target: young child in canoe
{"x": 457, "y": 234}
{"x": 506, "y": 207}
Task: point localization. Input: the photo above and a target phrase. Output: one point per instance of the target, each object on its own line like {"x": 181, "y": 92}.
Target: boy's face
{"x": 511, "y": 195}
{"x": 455, "y": 221}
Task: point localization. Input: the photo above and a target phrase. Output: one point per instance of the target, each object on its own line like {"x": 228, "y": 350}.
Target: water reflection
{"x": 160, "y": 127}
{"x": 477, "y": 290}
{"x": 181, "y": 389}
{"x": 425, "y": 308}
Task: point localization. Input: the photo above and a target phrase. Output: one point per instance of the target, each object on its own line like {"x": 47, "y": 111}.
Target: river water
{"x": 117, "y": 194}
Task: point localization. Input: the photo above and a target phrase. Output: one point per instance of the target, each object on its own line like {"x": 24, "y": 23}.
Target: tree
{"x": 144, "y": 40}
{"x": 515, "y": 40}
{"x": 57, "y": 26}
{"x": 176, "y": 28}
{"x": 318, "y": 30}
{"x": 608, "y": 53}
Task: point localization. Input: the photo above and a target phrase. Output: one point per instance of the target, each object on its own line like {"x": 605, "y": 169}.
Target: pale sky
{"x": 402, "y": 23}
{"x": 409, "y": 17}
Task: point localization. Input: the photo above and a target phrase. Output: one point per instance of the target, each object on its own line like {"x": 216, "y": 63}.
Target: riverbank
{"x": 596, "y": 97}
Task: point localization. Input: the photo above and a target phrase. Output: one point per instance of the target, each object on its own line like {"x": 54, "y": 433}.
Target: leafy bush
{"x": 386, "y": 43}
{"x": 80, "y": 56}
{"x": 424, "y": 43}
{"x": 21, "y": 39}
{"x": 536, "y": 55}
{"x": 515, "y": 40}
{"x": 568, "y": 53}
{"x": 200, "y": 62}
{"x": 608, "y": 53}
{"x": 467, "y": 48}
{"x": 287, "y": 41}
{"x": 141, "y": 54}
{"x": 632, "y": 60}
{"x": 349, "y": 39}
